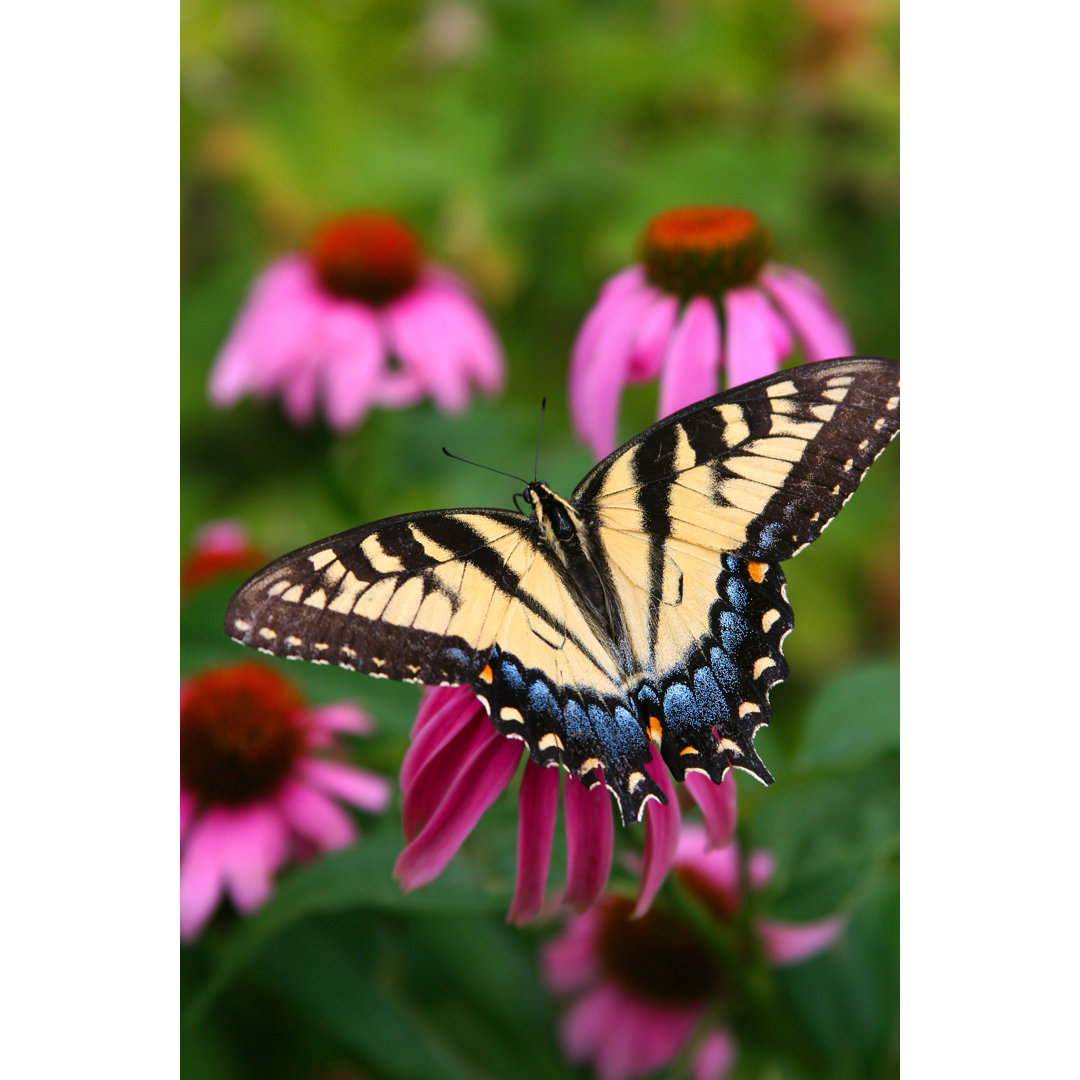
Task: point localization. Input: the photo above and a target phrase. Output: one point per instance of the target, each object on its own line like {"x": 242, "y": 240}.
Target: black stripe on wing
{"x": 765, "y": 466}
{"x": 379, "y": 598}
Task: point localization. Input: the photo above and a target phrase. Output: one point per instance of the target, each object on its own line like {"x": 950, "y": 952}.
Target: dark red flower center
{"x": 703, "y": 250}
{"x": 240, "y": 733}
{"x": 366, "y": 255}
{"x": 658, "y": 957}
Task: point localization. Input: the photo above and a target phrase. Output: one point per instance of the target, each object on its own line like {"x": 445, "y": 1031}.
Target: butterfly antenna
{"x": 490, "y": 468}
{"x": 536, "y": 463}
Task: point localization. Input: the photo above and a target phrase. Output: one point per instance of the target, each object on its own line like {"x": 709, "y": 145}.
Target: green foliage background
{"x": 529, "y": 142}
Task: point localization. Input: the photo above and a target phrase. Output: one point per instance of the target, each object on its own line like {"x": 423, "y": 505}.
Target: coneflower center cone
{"x": 366, "y": 255}
{"x": 240, "y": 734}
{"x": 657, "y": 957}
{"x": 704, "y": 250}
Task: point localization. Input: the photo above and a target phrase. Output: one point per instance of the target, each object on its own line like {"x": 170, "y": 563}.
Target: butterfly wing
{"x": 451, "y": 598}
{"x": 418, "y": 598}
{"x": 690, "y": 519}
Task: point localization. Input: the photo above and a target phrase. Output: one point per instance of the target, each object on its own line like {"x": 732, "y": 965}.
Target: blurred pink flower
{"x": 702, "y": 298}
{"x": 255, "y": 789}
{"x": 458, "y": 765}
{"x": 642, "y": 988}
{"x": 360, "y": 321}
{"x": 218, "y": 549}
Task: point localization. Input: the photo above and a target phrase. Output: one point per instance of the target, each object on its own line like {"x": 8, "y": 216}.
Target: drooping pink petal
{"x": 661, "y": 834}
{"x": 438, "y": 760}
{"x": 340, "y": 716}
{"x": 590, "y": 842}
{"x": 609, "y": 300}
{"x": 760, "y": 867}
{"x": 315, "y": 817}
{"x": 286, "y": 334}
{"x": 538, "y": 806}
{"x": 617, "y": 1053}
{"x": 693, "y": 358}
{"x": 478, "y": 784}
{"x": 820, "y": 330}
{"x": 715, "y": 1056}
{"x": 750, "y": 337}
{"x": 202, "y": 870}
{"x": 644, "y": 1037}
{"x": 418, "y": 335}
{"x": 477, "y": 345}
{"x": 570, "y": 962}
{"x": 589, "y": 1020}
{"x": 661, "y": 1033}
{"x": 357, "y": 786}
{"x": 598, "y": 382}
{"x": 788, "y": 943}
{"x": 256, "y": 847}
{"x": 234, "y": 370}
{"x": 439, "y": 703}
{"x": 654, "y": 332}
{"x": 188, "y": 805}
{"x": 299, "y": 394}
{"x": 716, "y": 868}
{"x": 718, "y": 806}
{"x": 633, "y": 277}
{"x": 353, "y": 357}
{"x": 397, "y": 389}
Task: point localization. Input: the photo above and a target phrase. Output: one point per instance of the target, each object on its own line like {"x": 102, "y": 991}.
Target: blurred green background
{"x": 529, "y": 143}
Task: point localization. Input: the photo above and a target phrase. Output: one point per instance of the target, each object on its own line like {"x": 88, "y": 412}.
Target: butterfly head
{"x": 558, "y": 520}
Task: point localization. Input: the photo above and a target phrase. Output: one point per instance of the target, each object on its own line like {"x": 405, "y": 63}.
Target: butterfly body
{"x": 649, "y": 608}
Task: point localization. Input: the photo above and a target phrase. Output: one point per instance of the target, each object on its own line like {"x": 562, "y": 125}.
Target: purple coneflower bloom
{"x": 360, "y": 321}
{"x": 458, "y": 765}
{"x": 258, "y": 779}
{"x": 642, "y": 988}
{"x": 702, "y": 299}
{"x": 218, "y": 549}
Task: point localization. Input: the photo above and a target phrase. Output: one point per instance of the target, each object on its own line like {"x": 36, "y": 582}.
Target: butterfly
{"x": 647, "y": 609}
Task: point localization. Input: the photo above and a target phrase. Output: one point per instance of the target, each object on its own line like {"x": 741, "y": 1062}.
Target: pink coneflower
{"x": 257, "y": 772}
{"x": 644, "y": 989}
{"x": 219, "y": 549}
{"x": 359, "y": 320}
{"x": 458, "y": 765}
{"x": 703, "y": 298}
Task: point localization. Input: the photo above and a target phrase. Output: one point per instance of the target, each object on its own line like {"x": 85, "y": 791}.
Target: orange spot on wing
{"x": 486, "y": 674}
{"x": 757, "y": 570}
{"x": 687, "y": 750}
{"x": 656, "y": 732}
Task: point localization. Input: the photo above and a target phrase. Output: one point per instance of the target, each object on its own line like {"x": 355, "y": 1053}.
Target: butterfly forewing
{"x": 418, "y": 598}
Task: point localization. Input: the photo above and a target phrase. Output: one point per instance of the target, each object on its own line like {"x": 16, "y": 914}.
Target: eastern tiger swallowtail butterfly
{"x": 650, "y": 606}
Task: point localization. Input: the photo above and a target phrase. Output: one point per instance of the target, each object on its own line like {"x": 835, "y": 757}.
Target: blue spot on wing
{"x": 512, "y": 676}
{"x": 542, "y": 700}
{"x": 680, "y": 709}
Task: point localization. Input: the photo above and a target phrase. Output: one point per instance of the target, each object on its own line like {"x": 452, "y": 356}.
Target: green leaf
{"x": 848, "y": 999}
{"x": 340, "y": 985}
{"x": 358, "y": 877}
{"x": 854, "y": 717}
{"x": 828, "y": 832}
{"x": 497, "y": 1009}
